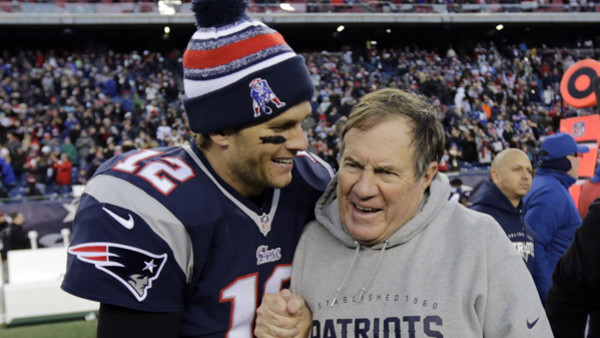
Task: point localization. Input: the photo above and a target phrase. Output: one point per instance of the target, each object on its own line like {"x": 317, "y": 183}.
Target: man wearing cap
{"x": 184, "y": 241}
{"x": 590, "y": 190}
{"x": 549, "y": 207}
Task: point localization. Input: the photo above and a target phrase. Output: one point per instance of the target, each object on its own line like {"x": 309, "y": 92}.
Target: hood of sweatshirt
{"x": 488, "y": 195}
{"x": 565, "y": 179}
{"x": 327, "y": 213}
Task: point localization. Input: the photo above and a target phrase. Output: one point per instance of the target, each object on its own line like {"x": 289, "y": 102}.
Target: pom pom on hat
{"x": 237, "y": 71}
{"x": 218, "y": 13}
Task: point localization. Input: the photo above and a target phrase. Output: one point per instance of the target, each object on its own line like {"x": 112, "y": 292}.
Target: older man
{"x": 389, "y": 255}
{"x": 500, "y": 196}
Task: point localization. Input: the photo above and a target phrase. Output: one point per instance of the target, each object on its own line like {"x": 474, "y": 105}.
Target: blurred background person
{"x": 575, "y": 291}
{"x": 459, "y": 192}
{"x": 13, "y": 236}
{"x": 32, "y": 189}
{"x": 549, "y": 207}
{"x": 7, "y": 177}
{"x": 501, "y": 196}
{"x": 63, "y": 169}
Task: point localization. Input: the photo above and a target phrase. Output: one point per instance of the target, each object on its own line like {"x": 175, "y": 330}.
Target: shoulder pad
{"x": 313, "y": 170}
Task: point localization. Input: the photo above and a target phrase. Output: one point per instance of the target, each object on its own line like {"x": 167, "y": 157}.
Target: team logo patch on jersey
{"x": 135, "y": 268}
{"x": 261, "y": 95}
{"x": 264, "y": 255}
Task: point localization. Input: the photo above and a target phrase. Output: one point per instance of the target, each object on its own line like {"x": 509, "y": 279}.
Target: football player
{"x": 184, "y": 241}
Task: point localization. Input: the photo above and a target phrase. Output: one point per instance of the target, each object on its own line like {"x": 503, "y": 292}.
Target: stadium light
{"x": 500, "y": 27}
{"x": 167, "y": 29}
{"x": 340, "y": 28}
{"x": 287, "y": 7}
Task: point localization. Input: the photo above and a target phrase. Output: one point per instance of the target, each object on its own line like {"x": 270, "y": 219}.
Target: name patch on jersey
{"x": 133, "y": 267}
{"x": 264, "y": 255}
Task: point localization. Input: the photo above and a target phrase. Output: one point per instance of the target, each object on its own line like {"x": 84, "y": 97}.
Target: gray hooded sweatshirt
{"x": 448, "y": 272}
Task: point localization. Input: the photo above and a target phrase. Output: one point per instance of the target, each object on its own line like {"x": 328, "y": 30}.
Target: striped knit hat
{"x": 237, "y": 71}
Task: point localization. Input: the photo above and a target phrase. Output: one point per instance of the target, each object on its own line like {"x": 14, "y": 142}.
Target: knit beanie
{"x": 237, "y": 71}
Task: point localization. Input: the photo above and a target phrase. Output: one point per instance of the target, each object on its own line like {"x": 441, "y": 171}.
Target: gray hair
{"x": 385, "y": 104}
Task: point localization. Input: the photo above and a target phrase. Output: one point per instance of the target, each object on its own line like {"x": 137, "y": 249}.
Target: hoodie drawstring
{"x": 375, "y": 267}
{"x": 337, "y": 292}
{"x": 366, "y": 287}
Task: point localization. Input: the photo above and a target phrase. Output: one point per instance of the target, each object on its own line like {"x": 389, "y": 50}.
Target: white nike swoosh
{"x": 126, "y": 223}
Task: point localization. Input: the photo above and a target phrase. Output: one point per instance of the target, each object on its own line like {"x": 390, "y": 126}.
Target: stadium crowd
{"x": 338, "y": 6}
{"x": 62, "y": 113}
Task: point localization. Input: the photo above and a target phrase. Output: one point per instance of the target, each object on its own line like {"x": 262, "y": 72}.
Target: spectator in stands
{"x": 459, "y": 192}
{"x": 14, "y": 237}
{"x": 7, "y": 177}
{"x": 69, "y": 149}
{"x": 3, "y": 222}
{"x": 95, "y": 159}
{"x": 63, "y": 169}
{"x": 16, "y": 156}
{"x": 469, "y": 149}
{"x": 84, "y": 145}
{"x": 163, "y": 133}
{"x": 549, "y": 207}
{"x": 590, "y": 190}
{"x": 44, "y": 166}
{"x": 501, "y": 196}
{"x": 455, "y": 158}
{"x": 32, "y": 189}
{"x": 66, "y": 93}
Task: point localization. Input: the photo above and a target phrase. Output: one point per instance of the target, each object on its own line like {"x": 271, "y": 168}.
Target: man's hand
{"x": 282, "y": 314}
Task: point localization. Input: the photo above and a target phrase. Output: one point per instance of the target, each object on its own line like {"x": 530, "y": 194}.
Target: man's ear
{"x": 495, "y": 176}
{"x": 429, "y": 174}
{"x": 220, "y": 138}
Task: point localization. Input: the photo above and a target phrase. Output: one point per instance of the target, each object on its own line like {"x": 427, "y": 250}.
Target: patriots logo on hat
{"x": 135, "y": 268}
{"x": 578, "y": 129}
{"x": 262, "y": 94}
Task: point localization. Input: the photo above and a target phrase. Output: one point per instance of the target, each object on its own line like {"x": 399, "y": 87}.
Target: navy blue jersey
{"x": 158, "y": 230}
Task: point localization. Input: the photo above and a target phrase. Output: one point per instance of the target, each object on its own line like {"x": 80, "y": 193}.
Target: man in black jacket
{"x": 575, "y": 291}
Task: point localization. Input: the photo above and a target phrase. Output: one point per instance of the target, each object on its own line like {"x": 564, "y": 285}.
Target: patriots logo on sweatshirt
{"x": 133, "y": 267}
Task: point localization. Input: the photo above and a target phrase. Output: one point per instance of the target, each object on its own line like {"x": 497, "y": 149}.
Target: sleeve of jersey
{"x": 314, "y": 170}
{"x": 127, "y": 249}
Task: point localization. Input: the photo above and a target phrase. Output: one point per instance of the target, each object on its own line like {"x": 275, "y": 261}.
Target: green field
{"x": 63, "y": 329}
